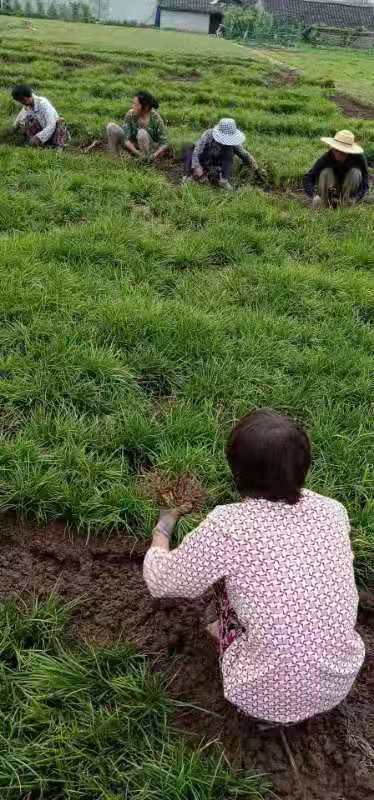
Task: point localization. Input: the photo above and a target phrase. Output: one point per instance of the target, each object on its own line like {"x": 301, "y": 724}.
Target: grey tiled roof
{"x": 317, "y": 12}
{"x": 199, "y": 6}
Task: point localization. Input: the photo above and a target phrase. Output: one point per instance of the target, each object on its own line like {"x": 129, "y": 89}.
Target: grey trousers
{"x": 350, "y": 187}
{"x": 116, "y": 139}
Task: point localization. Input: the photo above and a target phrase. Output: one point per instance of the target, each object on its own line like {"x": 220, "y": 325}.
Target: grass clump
{"x": 78, "y": 723}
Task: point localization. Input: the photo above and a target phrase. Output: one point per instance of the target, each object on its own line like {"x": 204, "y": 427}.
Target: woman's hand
{"x": 169, "y": 517}
{"x": 198, "y": 172}
{"x": 166, "y": 523}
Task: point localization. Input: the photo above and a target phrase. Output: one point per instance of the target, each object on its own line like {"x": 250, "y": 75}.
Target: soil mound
{"x": 333, "y": 755}
{"x": 353, "y": 108}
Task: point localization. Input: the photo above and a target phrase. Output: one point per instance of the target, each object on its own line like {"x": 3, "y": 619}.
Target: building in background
{"x": 204, "y": 16}
{"x": 334, "y": 13}
{"x": 200, "y": 16}
{"x": 138, "y": 12}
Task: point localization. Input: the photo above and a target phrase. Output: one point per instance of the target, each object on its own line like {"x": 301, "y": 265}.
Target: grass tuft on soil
{"x": 75, "y": 722}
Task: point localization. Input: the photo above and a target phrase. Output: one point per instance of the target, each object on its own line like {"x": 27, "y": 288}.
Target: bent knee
{"x": 355, "y": 175}
{"x": 143, "y": 136}
{"x": 356, "y": 172}
{"x": 113, "y": 129}
{"x": 328, "y": 175}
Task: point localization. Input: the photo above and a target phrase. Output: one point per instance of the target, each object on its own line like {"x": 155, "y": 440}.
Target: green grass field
{"x": 138, "y": 320}
{"x": 117, "y": 39}
{"x": 351, "y": 70}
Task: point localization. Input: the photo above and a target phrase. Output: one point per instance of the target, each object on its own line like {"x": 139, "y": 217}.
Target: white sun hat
{"x": 227, "y": 133}
{"x": 343, "y": 141}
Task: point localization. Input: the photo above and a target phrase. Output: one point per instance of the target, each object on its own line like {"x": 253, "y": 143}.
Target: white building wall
{"x": 348, "y": 2}
{"x": 141, "y": 12}
{"x": 185, "y": 21}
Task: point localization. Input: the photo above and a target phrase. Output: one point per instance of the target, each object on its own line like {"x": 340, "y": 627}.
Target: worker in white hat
{"x": 211, "y": 158}
{"x": 340, "y": 177}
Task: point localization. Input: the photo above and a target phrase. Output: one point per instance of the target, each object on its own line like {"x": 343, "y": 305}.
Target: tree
{"x": 86, "y": 12}
{"x": 52, "y": 10}
{"x": 64, "y": 11}
{"x": 240, "y": 22}
{"x": 40, "y": 8}
{"x": 28, "y": 9}
{"x": 75, "y": 9}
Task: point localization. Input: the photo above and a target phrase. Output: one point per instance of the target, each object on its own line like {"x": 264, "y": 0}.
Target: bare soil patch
{"x": 71, "y": 64}
{"x": 353, "y": 108}
{"x": 333, "y": 754}
{"x": 94, "y": 146}
{"x": 284, "y": 77}
{"x": 172, "y": 167}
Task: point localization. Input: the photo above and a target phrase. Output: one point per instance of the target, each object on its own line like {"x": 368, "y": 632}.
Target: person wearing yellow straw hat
{"x": 340, "y": 177}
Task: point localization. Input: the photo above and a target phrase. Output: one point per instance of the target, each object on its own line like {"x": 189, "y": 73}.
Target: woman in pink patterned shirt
{"x": 282, "y": 566}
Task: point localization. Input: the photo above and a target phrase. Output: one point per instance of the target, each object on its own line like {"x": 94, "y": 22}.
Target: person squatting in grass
{"x": 38, "y": 120}
{"x": 212, "y": 157}
{"x": 340, "y": 177}
{"x": 143, "y": 133}
{"x": 282, "y": 567}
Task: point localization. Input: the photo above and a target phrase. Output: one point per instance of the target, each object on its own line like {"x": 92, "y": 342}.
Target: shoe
{"x": 316, "y": 202}
{"x": 225, "y": 184}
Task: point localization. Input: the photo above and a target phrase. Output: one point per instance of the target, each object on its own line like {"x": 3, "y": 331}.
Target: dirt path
{"x": 334, "y": 755}
{"x": 353, "y": 108}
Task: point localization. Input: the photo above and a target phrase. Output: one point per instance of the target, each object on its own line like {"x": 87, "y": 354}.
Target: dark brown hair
{"x": 146, "y": 100}
{"x": 269, "y": 456}
{"x": 20, "y": 91}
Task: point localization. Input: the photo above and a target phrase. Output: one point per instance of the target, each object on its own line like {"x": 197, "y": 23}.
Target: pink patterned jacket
{"x": 289, "y": 576}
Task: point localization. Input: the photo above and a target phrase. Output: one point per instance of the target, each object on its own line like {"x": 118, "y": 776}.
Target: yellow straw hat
{"x": 343, "y": 141}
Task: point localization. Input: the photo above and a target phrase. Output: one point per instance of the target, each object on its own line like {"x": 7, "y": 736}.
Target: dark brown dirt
{"x": 284, "y": 77}
{"x": 190, "y": 77}
{"x": 171, "y": 167}
{"x": 334, "y": 755}
{"x": 353, "y": 108}
{"x": 97, "y": 145}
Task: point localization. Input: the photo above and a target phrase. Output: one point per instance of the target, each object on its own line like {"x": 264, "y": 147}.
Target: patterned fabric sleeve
{"x": 20, "y": 118}
{"x": 49, "y": 118}
{"x": 201, "y": 560}
{"x": 128, "y": 127}
{"x": 160, "y": 136}
{"x": 246, "y": 157}
{"x": 199, "y": 148}
{"x": 364, "y": 185}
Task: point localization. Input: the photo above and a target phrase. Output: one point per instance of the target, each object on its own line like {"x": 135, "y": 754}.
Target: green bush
{"x": 250, "y": 24}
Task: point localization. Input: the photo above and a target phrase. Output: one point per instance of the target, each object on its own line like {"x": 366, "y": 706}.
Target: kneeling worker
{"x": 143, "y": 133}
{"x": 212, "y": 157}
{"x": 38, "y": 120}
{"x": 340, "y": 177}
